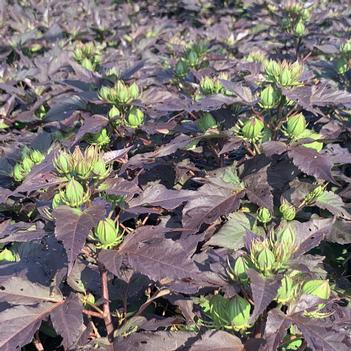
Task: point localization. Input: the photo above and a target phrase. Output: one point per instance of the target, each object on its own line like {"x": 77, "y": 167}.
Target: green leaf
{"x": 333, "y": 203}
{"x": 231, "y": 234}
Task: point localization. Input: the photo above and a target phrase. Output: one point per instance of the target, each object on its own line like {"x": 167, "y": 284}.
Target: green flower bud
{"x": 299, "y": 29}
{"x": 252, "y": 129}
{"x": 100, "y": 138}
{"x": 135, "y": 118}
{"x": 272, "y": 70}
{"x": 27, "y": 164}
{"x": 256, "y": 56}
{"x": 269, "y": 97}
{"x": 88, "y": 300}
{"x": 74, "y": 194}
{"x": 134, "y": 91}
{"x": 286, "y": 236}
{"x": 296, "y": 125}
{"x": 114, "y": 112}
{"x": 100, "y": 170}
{"x": 342, "y": 65}
{"x": 123, "y": 95}
{"x": 314, "y": 194}
{"x": 181, "y": 68}
{"x": 87, "y": 64}
{"x": 345, "y": 49}
{"x": 7, "y": 255}
{"x": 206, "y": 122}
{"x": 285, "y": 78}
{"x": 63, "y": 163}
{"x": 107, "y": 233}
{"x": 240, "y": 268}
{"x": 286, "y": 291}
{"x": 263, "y": 215}
{"x": 207, "y": 85}
{"x": 287, "y": 211}
{"x": 192, "y": 58}
{"x": 238, "y": 313}
{"x": 18, "y": 173}
{"x": 319, "y": 288}
{"x": 37, "y": 157}
{"x": 306, "y": 14}
{"x": 265, "y": 261}
{"x": 309, "y": 134}
{"x": 56, "y": 201}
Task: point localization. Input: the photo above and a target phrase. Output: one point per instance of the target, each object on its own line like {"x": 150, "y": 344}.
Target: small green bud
{"x": 56, "y": 201}
{"x": 63, "y": 163}
{"x": 342, "y": 65}
{"x": 240, "y": 269}
{"x": 286, "y": 235}
{"x": 7, "y": 255}
{"x": 207, "y": 85}
{"x": 87, "y": 64}
{"x": 269, "y": 97}
{"x": 252, "y": 129}
{"x": 272, "y": 70}
{"x": 296, "y": 125}
{"x": 256, "y": 56}
{"x": 299, "y": 29}
{"x": 287, "y": 211}
{"x": 100, "y": 170}
{"x": 134, "y": 91}
{"x": 206, "y": 122}
{"x": 265, "y": 260}
{"x": 239, "y": 313}
{"x": 18, "y": 173}
{"x": 107, "y": 233}
{"x": 114, "y": 112}
{"x": 285, "y": 78}
{"x": 27, "y": 164}
{"x": 264, "y": 215}
{"x": 181, "y": 68}
{"x": 88, "y": 300}
{"x": 306, "y": 14}
{"x": 319, "y": 288}
{"x": 37, "y": 157}
{"x": 100, "y": 138}
{"x": 74, "y": 194}
{"x": 314, "y": 194}
{"x": 345, "y": 49}
{"x": 135, "y": 118}
{"x": 192, "y": 58}
{"x": 286, "y": 291}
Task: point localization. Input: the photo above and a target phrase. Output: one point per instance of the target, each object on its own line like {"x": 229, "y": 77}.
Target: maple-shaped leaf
{"x": 264, "y": 290}
{"x": 72, "y": 228}
{"x": 276, "y": 326}
{"x": 19, "y": 323}
{"x": 67, "y": 320}
{"x": 18, "y": 290}
{"x": 312, "y": 163}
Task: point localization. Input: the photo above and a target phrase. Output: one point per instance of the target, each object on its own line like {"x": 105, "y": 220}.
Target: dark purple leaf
{"x": 72, "y": 228}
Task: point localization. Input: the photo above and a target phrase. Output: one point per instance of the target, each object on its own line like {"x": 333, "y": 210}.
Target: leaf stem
{"x": 93, "y": 314}
{"x": 37, "y": 343}
{"x": 106, "y": 304}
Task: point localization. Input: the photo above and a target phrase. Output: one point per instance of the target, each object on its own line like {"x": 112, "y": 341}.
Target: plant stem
{"x": 106, "y": 305}
{"x": 93, "y": 314}
{"x": 37, "y": 343}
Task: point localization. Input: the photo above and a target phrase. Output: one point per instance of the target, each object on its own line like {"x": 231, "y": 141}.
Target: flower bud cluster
{"x": 121, "y": 96}
{"x": 88, "y": 55}
{"x": 82, "y": 165}
{"x": 283, "y": 73}
{"x": 29, "y": 159}
{"x": 296, "y": 17}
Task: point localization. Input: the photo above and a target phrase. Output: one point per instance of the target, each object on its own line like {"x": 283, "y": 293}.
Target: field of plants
{"x": 175, "y": 175}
